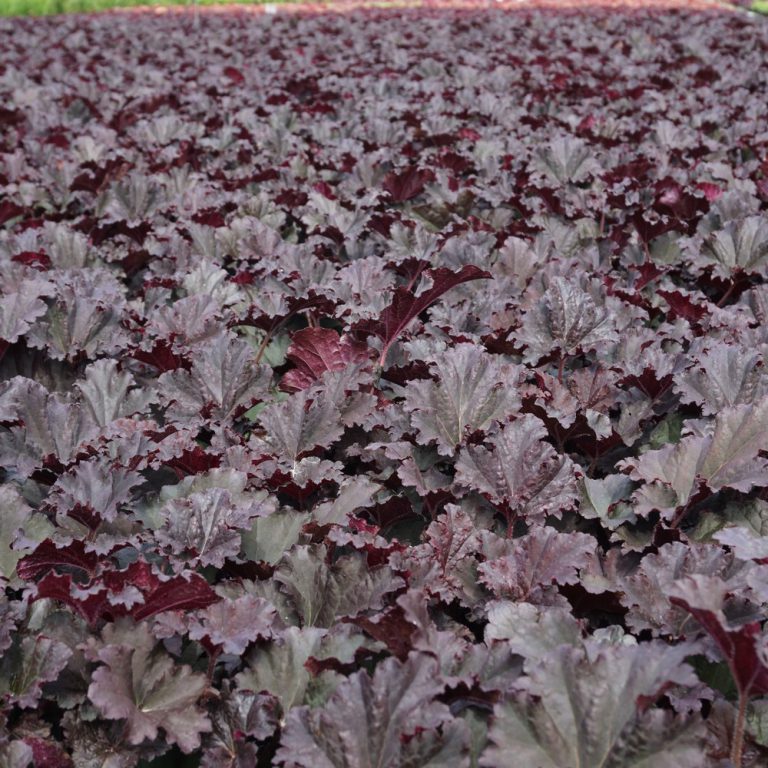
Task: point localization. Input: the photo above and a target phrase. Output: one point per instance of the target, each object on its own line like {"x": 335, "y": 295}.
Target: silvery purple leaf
{"x": 224, "y": 382}
{"x": 233, "y": 624}
{"x": 536, "y": 562}
{"x": 566, "y": 320}
{"x": 471, "y": 390}
{"x": 298, "y": 425}
{"x": 553, "y": 723}
{"x": 521, "y": 470}
{"x": 205, "y": 526}
{"x": 144, "y": 686}
{"x": 111, "y": 394}
{"x": 368, "y": 722}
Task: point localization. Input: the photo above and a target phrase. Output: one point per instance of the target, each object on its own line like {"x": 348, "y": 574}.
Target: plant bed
{"x": 384, "y": 388}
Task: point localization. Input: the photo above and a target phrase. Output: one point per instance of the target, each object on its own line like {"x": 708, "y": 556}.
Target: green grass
{"x": 44, "y": 7}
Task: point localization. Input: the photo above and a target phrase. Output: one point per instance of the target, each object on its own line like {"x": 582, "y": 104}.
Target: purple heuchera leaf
{"x": 521, "y": 470}
{"x": 380, "y": 721}
{"x": 554, "y": 723}
{"x": 27, "y": 665}
{"x": 239, "y": 719}
{"x": 645, "y": 592}
{"x": 48, "y": 556}
{"x": 743, "y": 646}
{"x": 109, "y": 593}
{"x": 472, "y": 390}
{"x": 179, "y": 593}
{"x": 728, "y": 458}
{"x": 542, "y": 558}
{"x": 446, "y": 563}
{"x": 233, "y": 624}
{"x": 740, "y": 246}
{"x": 18, "y": 311}
{"x": 532, "y": 631}
{"x": 53, "y": 426}
{"x": 298, "y": 425}
{"x": 745, "y": 542}
{"x": 111, "y": 393}
{"x": 223, "y": 382}
{"x": 83, "y": 318}
{"x": 20, "y": 529}
{"x": 567, "y": 319}
{"x": 205, "y": 526}
{"x": 144, "y": 686}
{"x": 282, "y": 669}
{"x": 96, "y": 486}
{"x": 324, "y": 593}
{"x": 723, "y": 375}
{"x": 566, "y": 159}
{"x": 588, "y": 393}
{"x": 406, "y": 184}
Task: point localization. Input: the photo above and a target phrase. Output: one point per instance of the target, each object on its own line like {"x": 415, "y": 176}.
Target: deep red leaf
{"x": 234, "y": 74}
{"x": 406, "y": 184}
{"x": 9, "y": 210}
{"x": 48, "y": 556}
{"x": 59, "y": 587}
{"x": 315, "y": 351}
{"x": 36, "y": 259}
{"x": 737, "y": 646}
{"x": 177, "y": 594}
{"x": 406, "y": 306}
{"x": 683, "y": 307}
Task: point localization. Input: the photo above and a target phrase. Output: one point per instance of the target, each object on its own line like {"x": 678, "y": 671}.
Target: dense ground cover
{"x": 384, "y": 389}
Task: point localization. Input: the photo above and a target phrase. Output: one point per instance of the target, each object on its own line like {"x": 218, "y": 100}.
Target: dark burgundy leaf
{"x": 703, "y": 597}
{"x": 406, "y": 184}
{"x": 91, "y": 606}
{"x": 316, "y": 350}
{"x": 47, "y": 556}
{"x": 406, "y": 306}
{"x": 177, "y": 594}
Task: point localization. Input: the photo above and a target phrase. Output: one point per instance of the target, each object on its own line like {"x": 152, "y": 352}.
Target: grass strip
{"x": 47, "y": 7}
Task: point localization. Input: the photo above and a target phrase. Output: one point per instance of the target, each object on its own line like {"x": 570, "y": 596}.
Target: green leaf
{"x": 279, "y": 668}
{"x": 17, "y": 521}
{"x": 270, "y": 537}
{"x": 27, "y": 665}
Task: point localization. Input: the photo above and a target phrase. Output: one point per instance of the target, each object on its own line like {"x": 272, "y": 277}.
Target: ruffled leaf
{"x": 144, "y": 686}
{"x": 471, "y": 390}
{"x": 521, "y": 470}
{"x": 585, "y": 708}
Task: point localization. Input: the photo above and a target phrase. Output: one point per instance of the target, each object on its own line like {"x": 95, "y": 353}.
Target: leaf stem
{"x": 561, "y": 366}
{"x": 262, "y": 347}
{"x": 415, "y": 277}
{"x": 213, "y": 656}
{"x": 737, "y": 746}
{"x": 679, "y": 517}
{"x": 727, "y": 295}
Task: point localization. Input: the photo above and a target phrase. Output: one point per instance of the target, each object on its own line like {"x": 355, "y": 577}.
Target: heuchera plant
{"x": 384, "y": 389}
